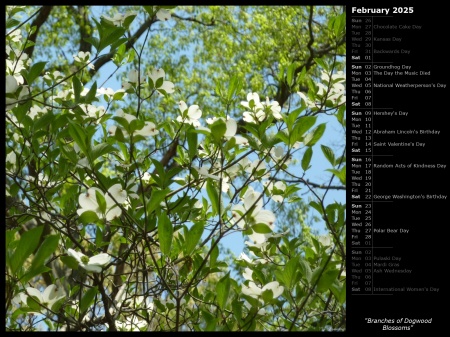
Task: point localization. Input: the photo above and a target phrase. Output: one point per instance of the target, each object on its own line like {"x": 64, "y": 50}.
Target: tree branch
{"x": 101, "y": 61}
{"x": 38, "y": 22}
{"x": 212, "y": 23}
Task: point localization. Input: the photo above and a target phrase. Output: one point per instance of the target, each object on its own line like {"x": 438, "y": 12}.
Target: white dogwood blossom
{"x": 158, "y": 82}
{"x": 162, "y": 14}
{"x": 83, "y": 58}
{"x": 149, "y": 128}
{"x": 119, "y": 18}
{"x": 275, "y": 190}
{"x": 93, "y": 264}
{"x": 189, "y": 115}
{"x": 88, "y": 201}
{"x": 253, "y": 213}
{"x": 47, "y": 298}
{"x": 257, "y": 111}
{"x": 254, "y": 291}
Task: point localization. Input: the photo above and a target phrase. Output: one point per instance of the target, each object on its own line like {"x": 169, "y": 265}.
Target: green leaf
{"x": 340, "y": 115}
{"x": 209, "y": 319}
{"x": 192, "y": 143}
{"x": 305, "y": 269}
{"x": 78, "y": 135}
{"x": 214, "y": 255}
{"x": 213, "y": 196}
{"x": 69, "y": 261}
{"x": 165, "y": 233}
{"x": 159, "y": 168}
{"x": 34, "y": 303}
{"x": 35, "y": 71}
{"x": 155, "y": 199}
{"x": 267, "y": 295}
{"x": 234, "y": 87}
{"x": 110, "y": 35}
{"x": 290, "y": 270}
{"x": 307, "y": 158}
{"x": 237, "y": 309}
{"x": 329, "y": 154}
{"x": 47, "y": 248}
{"x": 302, "y": 125}
{"x": 87, "y": 299}
{"x": 88, "y": 217}
{"x": 321, "y": 63}
{"x": 290, "y": 74}
{"x": 218, "y": 129}
{"x": 11, "y": 23}
{"x": 77, "y": 88}
{"x": 27, "y": 244}
{"x": 193, "y": 236}
{"x": 280, "y": 277}
{"x": 93, "y": 41}
{"x": 33, "y": 273}
{"x": 149, "y": 10}
{"x": 316, "y": 206}
{"x": 341, "y": 174}
{"x": 291, "y": 118}
{"x": 261, "y": 228}
{"x": 327, "y": 279}
{"x": 339, "y": 290}
{"x": 90, "y": 96}
{"x": 223, "y": 290}
{"x": 315, "y": 135}
{"x": 101, "y": 149}
{"x": 339, "y": 25}
{"x": 101, "y": 201}
{"x": 43, "y": 121}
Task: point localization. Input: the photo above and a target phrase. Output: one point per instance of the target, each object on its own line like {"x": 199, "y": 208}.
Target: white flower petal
{"x": 251, "y": 290}
{"x": 266, "y": 217}
{"x": 276, "y": 288}
{"x": 34, "y": 292}
{"x": 118, "y": 193}
{"x": 92, "y": 268}
{"x": 88, "y": 200}
{"x": 75, "y": 254}
{"x": 156, "y": 74}
{"x": 163, "y": 14}
{"x": 244, "y": 257}
{"x": 100, "y": 259}
{"x": 182, "y": 106}
{"x": 248, "y": 274}
{"x": 11, "y": 84}
{"x": 168, "y": 87}
{"x": 231, "y": 128}
{"x": 250, "y": 200}
{"x": 194, "y": 112}
{"x": 113, "y": 213}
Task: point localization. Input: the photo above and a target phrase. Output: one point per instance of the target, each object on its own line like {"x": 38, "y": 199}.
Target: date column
{"x": 361, "y": 244}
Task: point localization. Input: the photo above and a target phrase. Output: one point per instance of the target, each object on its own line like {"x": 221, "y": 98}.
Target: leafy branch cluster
{"x": 119, "y": 200}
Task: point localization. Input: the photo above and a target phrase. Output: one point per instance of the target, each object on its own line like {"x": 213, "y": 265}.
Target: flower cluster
{"x": 252, "y": 213}
{"x": 189, "y": 115}
{"x": 51, "y": 295}
{"x": 333, "y": 89}
{"x": 119, "y": 18}
{"x": 258, "y": 111}
{"x": 88, "y": 201}
{"x": 148, "y": 129}
{"x": 83, "y": 58}
{"x": 158, "y": 83}
{"x": 16, "y": 62}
